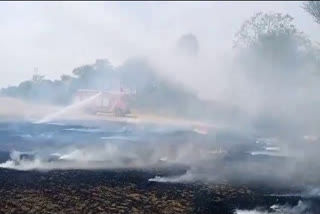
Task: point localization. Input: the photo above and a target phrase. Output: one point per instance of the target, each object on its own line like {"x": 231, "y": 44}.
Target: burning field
{"x": 117, "y": 167}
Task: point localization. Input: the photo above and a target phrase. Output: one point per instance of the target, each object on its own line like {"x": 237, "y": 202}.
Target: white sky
{"x": 59, "y": 36}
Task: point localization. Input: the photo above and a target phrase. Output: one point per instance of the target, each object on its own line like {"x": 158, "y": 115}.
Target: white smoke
{"x": 300, "y": 208}
{"x": 185, "y": 178}
{"x": 118, "y": 151}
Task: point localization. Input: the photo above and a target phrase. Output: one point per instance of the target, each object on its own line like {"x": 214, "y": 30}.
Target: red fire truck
{"x": 114, "y": 102}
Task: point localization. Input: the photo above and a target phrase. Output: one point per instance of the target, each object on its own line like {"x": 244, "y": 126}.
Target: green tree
{"x": 263, "y": 27}
{"x": 277, "y": 60}
{"x": 188, "y": 45}
{"x": 37, "y": 78}
{"x": 272, "y": 47}
{"x": 95, "y": 76}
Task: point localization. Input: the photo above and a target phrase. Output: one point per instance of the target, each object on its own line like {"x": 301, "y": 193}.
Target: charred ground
{"x": 123, "y": 191}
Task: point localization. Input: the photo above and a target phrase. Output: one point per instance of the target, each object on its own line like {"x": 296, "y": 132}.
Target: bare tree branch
{"x": 313, "y": 8}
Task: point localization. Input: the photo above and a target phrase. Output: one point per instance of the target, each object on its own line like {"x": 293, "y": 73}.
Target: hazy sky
{"x": 58, "y": 36}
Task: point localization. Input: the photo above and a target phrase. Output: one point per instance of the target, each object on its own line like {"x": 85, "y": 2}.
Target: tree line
{"x": 269, "y": 48}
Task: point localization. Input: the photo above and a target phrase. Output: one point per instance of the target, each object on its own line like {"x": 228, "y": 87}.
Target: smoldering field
{"x": 280, "y": 168}
{"x": 221, "y": 155}
{"x": 208, "y": 157}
